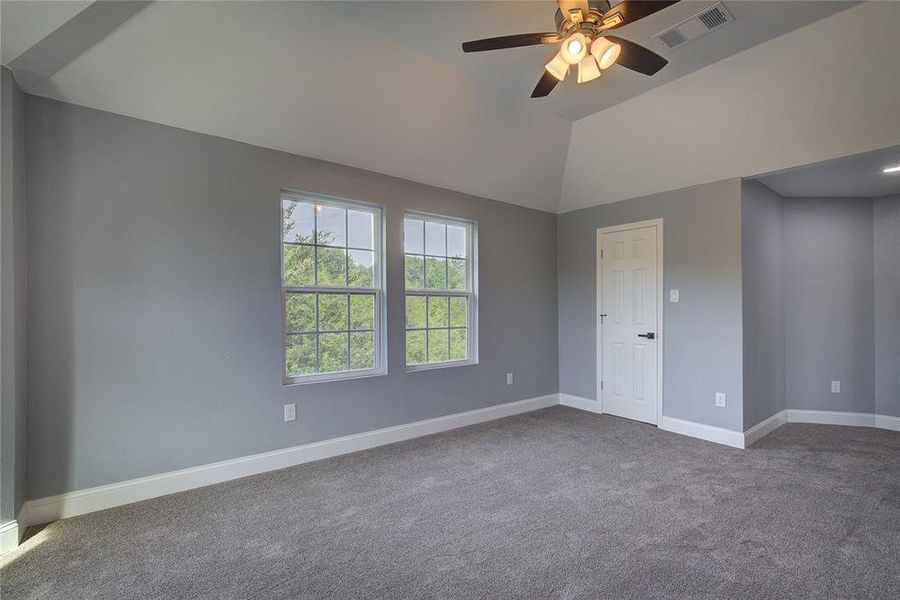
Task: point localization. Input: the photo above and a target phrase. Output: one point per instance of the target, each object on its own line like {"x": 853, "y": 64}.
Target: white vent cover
{"x": 698, "y": 25}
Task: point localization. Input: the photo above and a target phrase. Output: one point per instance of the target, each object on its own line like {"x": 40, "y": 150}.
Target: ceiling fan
{"x": 581, "y": 26}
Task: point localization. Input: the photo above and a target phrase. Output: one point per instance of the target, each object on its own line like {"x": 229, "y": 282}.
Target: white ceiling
{"x": 379, "y": 85}
{"x": 795, "y": 100}
{"x": 859, "y": 176}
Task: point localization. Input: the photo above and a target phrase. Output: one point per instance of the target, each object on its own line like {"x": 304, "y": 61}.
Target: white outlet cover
{"x": 509, "y": 379}
{"x": 720, "y": 398}
{"x": 673, "y": 296}
{"x": 835, "y": 387}
{"x": 290, "y": 412}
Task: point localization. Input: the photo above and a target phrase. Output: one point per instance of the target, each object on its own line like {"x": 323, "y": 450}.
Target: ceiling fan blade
{"x": 637, "y": 58}
{"x": 630, "y": 11}
{"x": 566, "y": 5}
{"x": 545, "y": 85}
{"x": 511, "y": 41}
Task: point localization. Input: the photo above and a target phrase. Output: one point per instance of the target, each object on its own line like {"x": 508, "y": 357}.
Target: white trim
{"x": 70, "y": 504}
{"x": 819, "y": 417}
{"x": 588, "y": 404}
{"x": 887, "y": 422}
{"x": 829, "y": 417}
{"x": 660, "y": 293}
{"x": 9, "y": 536}
{"x": 764, "y": 428}
{"x": 727, "y": 437}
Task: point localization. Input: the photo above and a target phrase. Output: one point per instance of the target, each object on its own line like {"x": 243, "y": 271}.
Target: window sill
{"x": 332, "y": 377}
{"x": 440, "y": 365}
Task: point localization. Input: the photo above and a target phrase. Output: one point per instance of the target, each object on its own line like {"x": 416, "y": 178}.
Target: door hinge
{"x": 601, "y": 384}
{"x": 601, "y": 253}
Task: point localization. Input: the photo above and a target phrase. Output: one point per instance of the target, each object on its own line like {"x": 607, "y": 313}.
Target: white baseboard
{"x": 580, "y": 403}
{"x": 727, "y": 437}
{"x": 9, "y": 536}
{"x": 887, "y": 422}
{"x": 819, "y": 417}
{"x": 830, "y": 417}
{"x": 764, "y": 428}
{"x": 51, "y": 508}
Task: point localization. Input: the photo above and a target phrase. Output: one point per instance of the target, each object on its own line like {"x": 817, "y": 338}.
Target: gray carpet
{"x": 557, "y": 503}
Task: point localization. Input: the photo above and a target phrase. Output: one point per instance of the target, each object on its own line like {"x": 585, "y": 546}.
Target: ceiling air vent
{"x": 698, "y": 25}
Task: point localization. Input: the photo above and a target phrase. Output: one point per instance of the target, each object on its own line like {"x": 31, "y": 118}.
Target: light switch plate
{"x": 673, "y": 296}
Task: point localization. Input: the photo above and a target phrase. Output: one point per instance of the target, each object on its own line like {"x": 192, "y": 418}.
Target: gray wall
{"x": 12, "y": 298}
{"x": 702, "y": 334}
{"x": 887, "y": 306}
{"x": 829, "y": 303}
{"x": 154, "y": 299}
{"x": 762, "y": 257}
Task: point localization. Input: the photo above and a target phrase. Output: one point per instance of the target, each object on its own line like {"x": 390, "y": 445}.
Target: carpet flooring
{"x": 557, "y": 503}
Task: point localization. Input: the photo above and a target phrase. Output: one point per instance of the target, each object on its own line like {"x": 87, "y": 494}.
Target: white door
{"x": 628, "y": 323}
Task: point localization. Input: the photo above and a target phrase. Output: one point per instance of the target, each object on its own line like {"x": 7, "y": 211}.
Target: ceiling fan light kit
{"x": 581, "y": 26}
{"x": 588, "y": 69}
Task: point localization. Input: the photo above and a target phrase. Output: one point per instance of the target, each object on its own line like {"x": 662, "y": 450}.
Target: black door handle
{"x": 649, "y": 336}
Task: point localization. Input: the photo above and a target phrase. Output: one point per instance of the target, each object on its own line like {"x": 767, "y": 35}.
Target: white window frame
{"x": 379, "y": 278}
{"x": 471, "y": 293}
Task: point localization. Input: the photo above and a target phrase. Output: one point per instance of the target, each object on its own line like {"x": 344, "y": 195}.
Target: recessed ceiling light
{"x": 894, "y": 169}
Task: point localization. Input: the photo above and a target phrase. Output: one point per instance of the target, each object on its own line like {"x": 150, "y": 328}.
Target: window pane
{"x": 332, "y": 352}
{"x": 361, "y": 229}
{"x": 361, "y": 265}
{"x": 362, "y": 350}
{"x": 362, "y": 311}
{"x": 457, "y": 344}
{"x": 332, "y": 266}
{"x": 413, "y": 236}
{"x": 437, "y": 311}
{"x": 456, "y": 274}
{"x": 415, "y": 347}
{"x": 458, "y": 312}
{"x": 297, "y": 222}
{"x": 456, "y": 241}
{"x": 300, "y": 355}
{"x": 298, "y": 266}
{"x": 437, "y": 345}
{"x": 415, "y": 312}
{"x": 332, "y": 225}
{"x": 300, "y": 312}
{"x": 415, "y": 271}
{"x": 435, "y": 273}
{"x": 435, "y": 239}
{"x": 332, "y": 312}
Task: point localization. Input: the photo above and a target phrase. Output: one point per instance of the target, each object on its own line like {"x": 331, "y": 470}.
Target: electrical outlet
{"x": 509, "y": 379}
{"x": 720, "y": 398}
{"x": 290, "y": 412}
{"x": 673, "y": 296}
{"x": 835, "y": 387}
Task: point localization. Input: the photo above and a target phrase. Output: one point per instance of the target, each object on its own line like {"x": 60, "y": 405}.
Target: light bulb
{"x": 574, "y": 48}
{"x": 558, "y": 67}
{"x": 605, "y": 52}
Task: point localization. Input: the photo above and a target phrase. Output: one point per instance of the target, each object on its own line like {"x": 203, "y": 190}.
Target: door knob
{"x": 649, "y": 336}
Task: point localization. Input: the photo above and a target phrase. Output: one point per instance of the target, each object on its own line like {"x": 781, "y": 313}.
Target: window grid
{"x": 445, "y": 292}
{"x": 347, "y": 290}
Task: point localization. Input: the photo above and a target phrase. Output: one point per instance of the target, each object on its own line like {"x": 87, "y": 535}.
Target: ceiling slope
{"x": 824, "y": 91}
{"x": 278, "y": 75}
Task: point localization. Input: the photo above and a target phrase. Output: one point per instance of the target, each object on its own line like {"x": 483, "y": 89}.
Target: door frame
{"x": 660, "y": 292}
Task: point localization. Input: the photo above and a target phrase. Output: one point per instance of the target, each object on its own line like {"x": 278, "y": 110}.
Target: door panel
{"x": 629, "y": 299}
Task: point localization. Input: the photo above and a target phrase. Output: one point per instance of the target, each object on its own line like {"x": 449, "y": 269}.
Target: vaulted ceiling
{"x": 384, "y": 86}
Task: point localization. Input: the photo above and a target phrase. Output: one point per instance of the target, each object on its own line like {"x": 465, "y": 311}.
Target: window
{"x": 331, "y": 288}
{"x": 441, "y": 300}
